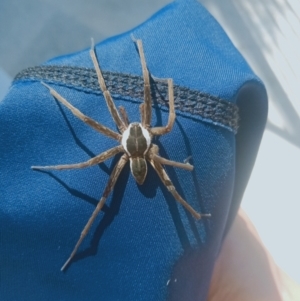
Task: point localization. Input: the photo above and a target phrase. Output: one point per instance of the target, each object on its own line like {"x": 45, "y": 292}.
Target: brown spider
{"x": 135, "y": 142}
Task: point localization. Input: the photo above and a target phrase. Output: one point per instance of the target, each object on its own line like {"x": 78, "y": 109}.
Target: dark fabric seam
{"x": 209, "y": 108}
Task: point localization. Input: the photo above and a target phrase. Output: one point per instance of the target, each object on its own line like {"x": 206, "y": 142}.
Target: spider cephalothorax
{"x": 135, "y": 142}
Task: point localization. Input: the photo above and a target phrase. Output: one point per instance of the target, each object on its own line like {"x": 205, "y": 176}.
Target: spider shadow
{"x": 196, "y": 184}
{"x": 102, "y": 165}
{"x": 155, "y": 93}
{"x": 173, "y": 205}
{"x": 110, "y": 212}
{"x": 72, "y": 191}
{"x": 156, "y": 182}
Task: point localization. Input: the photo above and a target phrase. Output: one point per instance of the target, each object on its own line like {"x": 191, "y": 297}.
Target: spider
{"x": 135, "y": 142}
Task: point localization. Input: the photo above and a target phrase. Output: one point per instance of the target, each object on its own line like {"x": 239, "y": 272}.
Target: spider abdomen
{"x": 138, "y": 167}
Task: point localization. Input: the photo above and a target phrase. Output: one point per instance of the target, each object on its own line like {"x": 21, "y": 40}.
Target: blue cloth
{"x": 144, "y": 239}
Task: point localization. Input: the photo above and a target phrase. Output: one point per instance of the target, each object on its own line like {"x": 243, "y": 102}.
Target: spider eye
{"x": 138, "y": 168}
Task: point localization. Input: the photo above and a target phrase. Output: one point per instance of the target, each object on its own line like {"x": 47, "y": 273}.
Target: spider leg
{"x": 109, "y": 101}
{"x": 153, "y": 154}
{"x": 93, "y": 161}
{"x": 92, "y": 123}
{"x": 124, "y": 116}
{"x": 109, "y": 187}
{"x": 142, "y": 105}
{"x": 147, "y": 115}
{"x": 168, "y": 183}
{"x": 166, "y": 129}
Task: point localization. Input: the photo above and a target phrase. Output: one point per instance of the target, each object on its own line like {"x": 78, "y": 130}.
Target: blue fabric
{"x": 143, "y": 239}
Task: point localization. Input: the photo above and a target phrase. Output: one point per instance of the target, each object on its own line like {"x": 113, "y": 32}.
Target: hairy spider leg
{"x": 168, "y": 183}
{"x": 124, "y": 116}
{"x": 153, "y": 155}
{"x": 147, "y": 115}
{"x": 93, "y": 161}
{"x": 172, "y": 115}
{"x": 109, "y": 101}
{"x": 109, "y": 187}
{"x": 141, "y": 107}
{"x": 92, "y": 123}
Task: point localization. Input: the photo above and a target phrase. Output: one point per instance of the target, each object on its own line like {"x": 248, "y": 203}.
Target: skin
{"x": 245, "y": 271}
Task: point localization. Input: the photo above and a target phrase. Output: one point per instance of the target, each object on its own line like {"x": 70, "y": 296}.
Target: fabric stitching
{"x": 209, "y": 108}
